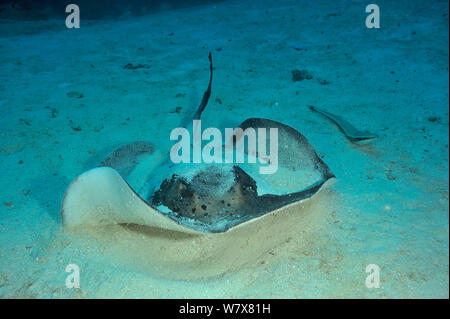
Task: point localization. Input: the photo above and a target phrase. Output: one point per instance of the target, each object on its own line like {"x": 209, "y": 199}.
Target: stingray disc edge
{"x": 101, "y": 196}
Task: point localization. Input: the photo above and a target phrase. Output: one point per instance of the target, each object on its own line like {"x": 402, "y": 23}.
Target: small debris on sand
{"x": 74, "y": 127}
{"x": 391, "y": 177}
{"x": 131, "y": 66}
{"x": 300, "y": 75}
{"x": 74, "y": 94}
{"x": 177, "y": 110}
{"x": 436, "y": 119}
{"x": 26, "y": 122}
{"x": 54, "y": 113}
{"x": 323, "y": 81}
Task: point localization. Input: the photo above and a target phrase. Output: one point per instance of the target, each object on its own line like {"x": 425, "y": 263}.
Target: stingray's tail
{"x": 207, "y": 93}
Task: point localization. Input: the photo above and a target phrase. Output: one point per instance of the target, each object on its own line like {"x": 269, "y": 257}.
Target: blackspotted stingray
{"x": 138, "y": 184}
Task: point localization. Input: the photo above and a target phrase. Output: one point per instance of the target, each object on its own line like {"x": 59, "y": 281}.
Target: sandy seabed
{"x": 67, "y": 100}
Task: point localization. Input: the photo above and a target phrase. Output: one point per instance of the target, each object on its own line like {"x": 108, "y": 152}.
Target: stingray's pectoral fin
{"x": 102, "y": 197}
{"x": 125, "y": 158}
{"x": 295, "y": 153}
{"x": 135, "y": 162}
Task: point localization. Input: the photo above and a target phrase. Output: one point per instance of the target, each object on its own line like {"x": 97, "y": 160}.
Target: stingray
{"x": 138, "y": 184}
{"x": 352, "y": 133}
